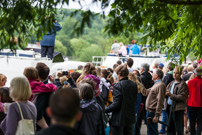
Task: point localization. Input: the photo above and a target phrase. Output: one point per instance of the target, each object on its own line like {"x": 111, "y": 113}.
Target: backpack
{"x": 104, "y": 93}
{"x": 25, "y": 126}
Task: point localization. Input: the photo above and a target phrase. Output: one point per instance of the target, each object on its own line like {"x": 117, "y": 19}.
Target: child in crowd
{"x": 91, "y": 122}
{"x": 3, "y": 80}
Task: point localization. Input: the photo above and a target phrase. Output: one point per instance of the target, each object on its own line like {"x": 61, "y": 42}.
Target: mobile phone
{"x": 64, "y": 73}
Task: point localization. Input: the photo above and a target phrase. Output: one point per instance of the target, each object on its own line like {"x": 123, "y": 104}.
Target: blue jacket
{"x": 135, "y": 49}
{"x": 49, "y": 39}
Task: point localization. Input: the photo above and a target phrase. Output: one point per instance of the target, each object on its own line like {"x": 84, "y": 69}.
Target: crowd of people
{"x": 98, "y": 101}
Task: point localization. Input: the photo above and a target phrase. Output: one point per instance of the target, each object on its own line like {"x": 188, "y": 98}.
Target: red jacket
{"x": 195, "y": 92}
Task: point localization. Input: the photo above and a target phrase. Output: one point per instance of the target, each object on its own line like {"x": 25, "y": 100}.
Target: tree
{"x": 60, "y": 48}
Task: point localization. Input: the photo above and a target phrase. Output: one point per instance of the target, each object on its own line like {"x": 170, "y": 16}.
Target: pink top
{"x": 1, "y": 107}
{"x": 123, "y": 50}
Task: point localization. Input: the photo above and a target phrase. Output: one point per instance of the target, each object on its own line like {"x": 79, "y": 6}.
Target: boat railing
{"x": 98, "y": 60}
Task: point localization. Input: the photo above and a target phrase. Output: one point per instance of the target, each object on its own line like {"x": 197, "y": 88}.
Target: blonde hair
{"x": 133, "y": 78}
{"x": 30, "y": 72}
{"x": 63, "y": 79}
{"x": 121, "y": 44}
{"x": 2, "y": 78}
{"x": 20, "y": 89}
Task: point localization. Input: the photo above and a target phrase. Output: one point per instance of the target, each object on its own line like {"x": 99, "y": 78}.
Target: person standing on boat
{"x": 115, "y": 47}
{"x": 135, "y": 49}
{"x": 48, "y": 42}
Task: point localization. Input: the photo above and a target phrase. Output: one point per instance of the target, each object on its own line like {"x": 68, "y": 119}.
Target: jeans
{"x": 152, "y": 127}
{"x": 122, "y": 130}
{"x": 195, "y": 115}
{"x": 47, "y": 50}
{"x": 165, "y": 120}
{"x": 135, "y": 123}
{"x": 176, "y": 122}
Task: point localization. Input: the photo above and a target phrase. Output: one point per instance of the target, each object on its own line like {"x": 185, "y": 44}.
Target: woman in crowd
{"x": 20, "y": 92}
{"x": 75, "y": 75}
{"x": 91, "y": 122}
{"x": 3, "y": 80}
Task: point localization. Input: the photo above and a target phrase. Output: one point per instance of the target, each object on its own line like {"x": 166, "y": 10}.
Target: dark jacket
{"x": 70, "y": 81}
{"x": 124, "y": 101}
{"x": 58, "y": 130}
{"x": 186, "y": 76}
{"x": 168, "y": 78}
{"x": 91, "y": 122}
{"x": 49, "y": 39}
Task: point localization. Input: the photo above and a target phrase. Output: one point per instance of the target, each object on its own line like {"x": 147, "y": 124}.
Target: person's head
{"x": 157, "y": 74}
{"x": 133, "y": 41}
{"x": 177, "y": 72}
{"x": 160, "y": 66}
{"x": 144, "y": 68}
{"x": 136, "y": 72}
{"x": 89, "y": 81}
{"x": 95, "y": 79}
{"x": 4, "y": 95}
{"x": 3, "y": 80}
{"x": 122, "y": 71}
{"x": 20, "y": 89}
{"x": 156, "y": 65}
{"x": 195, "y": 65}
{"x": 63, "y": 79}
{"x": 43, "y": 71}
{"x": 30, "y": 72}
{"x": 104, "y": 73}
{"x": 64, "y": 107}
{"x": 190, "y": 68}
{"x": 126, "y": 46}
{"x": 121, "y": 44}
{"x": 89, "y": 68}
{"x": 86, "y": 91}
{"x": 75, "y": 75}
{"x": 110, "y": 70}
{"x": 130, "y": 62}
{"x": 98, "y": 71}
{"x": 171, "y": 66}
{"x": 115, "y": 66}
{"x": 80, "y": 67}
{"x": 198, "y": 72}
{"x": 119, "y": 62}
{"x": 133, "y": 78}
{"x": 115, "y": 41}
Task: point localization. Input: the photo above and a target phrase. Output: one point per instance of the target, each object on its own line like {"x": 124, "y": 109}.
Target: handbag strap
{"x": 20, "y": 111}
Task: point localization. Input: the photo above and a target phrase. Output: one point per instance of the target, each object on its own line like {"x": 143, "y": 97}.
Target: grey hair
{"x": 159, "y": 72}
{"x": 145, "y": 67}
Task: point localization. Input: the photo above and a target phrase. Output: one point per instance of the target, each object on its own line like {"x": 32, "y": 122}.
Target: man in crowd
{"x": 135, "y": 49}
{"x": 115, "y": 47}
{"x": 161, "y": 65}
{"x": 186, "y": 77}
{"x": 167, "y": 79}
{"x": 64, "y": 111}
{"x": 146, "y": 79}
{"x": 80, "y": 68}
{"x": 130, "y": 64}
{"x": 48, "y": 42}
{"x": 154, "y": 102}
{"x": 195, "y": 102}
{"x": 176, "y": 92}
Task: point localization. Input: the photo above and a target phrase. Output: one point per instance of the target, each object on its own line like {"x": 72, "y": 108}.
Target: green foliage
{"x": 60, "y": 48}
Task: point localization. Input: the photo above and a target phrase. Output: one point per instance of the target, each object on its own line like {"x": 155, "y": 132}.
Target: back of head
{"x": 89, "y": 81}
{"x": 195, "y": 65}
{"x": 145, "y": 67}
{"x": 80, "y": 67}
{"x": 20, "y": 89}
{"x": 159, "y": 72}
{"x": 198, "y": 72}
{"x": 130, "y": 62}
{"x": 4, "y": 94}
{"x": 65, "y": 105}
{"x": 109, "y": 70}
{"x": 122, "y": 70}
{"x": 171, "y": 66}
{"x": 2, "y": 78}
{"x": 63, "y": 79}
{"x": 115, "y": 66}
{"x": 98, "y": 71}
{"x": 89, "y": 68}
{"x": 104, "y": 73}
{"x": 30, "y": 72}
{"x": 115, "y": 41}
{"x": 43, "y": 70}
{"x": 190, "y": 68}
{"x": 75, "y": 75}
{"x": 85, "y": 91}
{"x": 119, "y": 62}
{"x": 156, "y": 65}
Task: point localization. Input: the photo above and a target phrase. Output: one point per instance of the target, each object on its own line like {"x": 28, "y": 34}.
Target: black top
{"x": 168, "y": 78}
{"x": 124, "y": 101}
{"x": 58, "y": 130}
{"x": 186, "y": 76}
